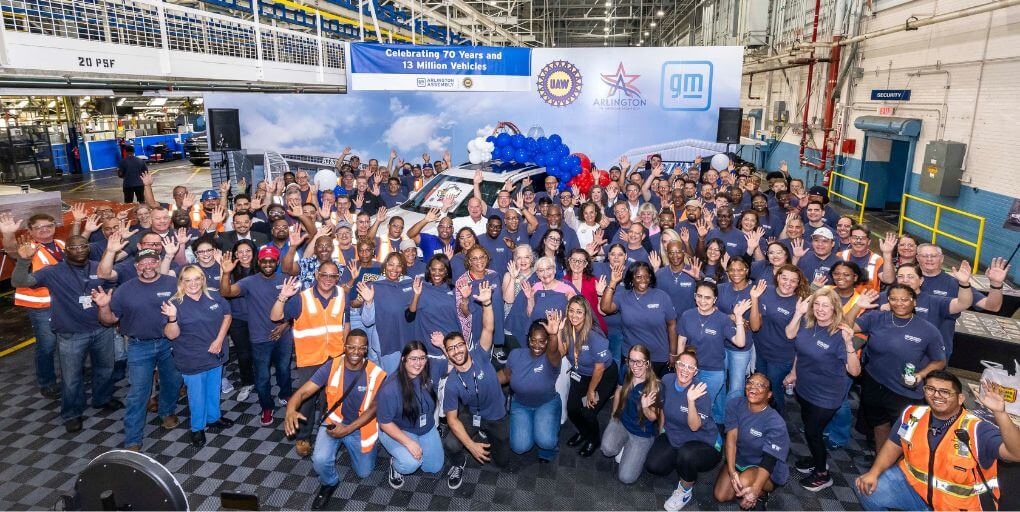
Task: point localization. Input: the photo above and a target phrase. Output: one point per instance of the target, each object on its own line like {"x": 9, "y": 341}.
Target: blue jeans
{"x": 45, "y": 347}
{"x": 276, "y": 354}
{"x": 204, "y": 397}
{"x": 737, "y": 362}
{"x": 324, "y": 456}
{"x": 432, "y": 455}
{"x": 98, "y": 346}
{"x": 143, "y": 357}
{"x": 892, "y": 491}
{"x": 838, "y": 429}
{"x": 530, "y": 426}
{"x": 616, "y": 348}
{"x": 715, "y": 379}
{"x": 776, "y": 372}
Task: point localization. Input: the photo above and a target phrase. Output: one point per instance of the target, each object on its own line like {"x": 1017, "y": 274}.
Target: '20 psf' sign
{"x": 686, "y": 85}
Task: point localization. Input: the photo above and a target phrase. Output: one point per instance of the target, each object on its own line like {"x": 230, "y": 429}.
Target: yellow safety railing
{"x": 934, "y": 227}
{"x": 859, "y": 204}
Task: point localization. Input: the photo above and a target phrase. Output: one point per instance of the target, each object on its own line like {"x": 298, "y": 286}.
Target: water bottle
{"x": 789, "y": 389}
{"x": 909, "y": 375}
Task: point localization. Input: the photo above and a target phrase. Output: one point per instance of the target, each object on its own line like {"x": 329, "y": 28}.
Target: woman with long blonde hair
{"x": 197, "y": 324}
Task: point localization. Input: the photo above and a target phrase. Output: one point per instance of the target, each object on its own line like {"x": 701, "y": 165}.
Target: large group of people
{"x": 694, "y": 306}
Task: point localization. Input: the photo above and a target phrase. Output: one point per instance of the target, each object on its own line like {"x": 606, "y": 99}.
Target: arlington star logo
{"x": 559, "y": 83}
{"x": 623, "y": 93}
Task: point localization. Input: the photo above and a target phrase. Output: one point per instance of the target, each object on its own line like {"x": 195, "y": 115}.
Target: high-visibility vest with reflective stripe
{"x": 38, "y": 298}
{"x": 319, "y": 332}
{"x": 871, "y": 270}
{"x": 953, "y": 480}
{"x": 335, "y": 390}
{"x": 418, "y": 183}
{"x": 197, "y": 216}
{"x": 385, "y": 247}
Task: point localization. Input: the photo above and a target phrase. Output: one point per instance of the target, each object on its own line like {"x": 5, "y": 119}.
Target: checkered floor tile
{"x": 39, "y": 462}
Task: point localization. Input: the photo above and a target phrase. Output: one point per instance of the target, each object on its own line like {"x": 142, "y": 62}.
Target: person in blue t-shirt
{"x": 771, "y": 310}
{"x": 406, "y": 408}
{"x": 647, "y": 313}
{"x": 825, "y": 360}
{"x": 197, "y": 324}
{"x": 691, "y": 442}
{"x": 737, "y": 288}
{"x": 706, "y": 329}
{"x": 430, "y": 244}
{"x": 531, "y": 372}
{"x": 897, "y": 339}
{"x": 474, "y": 403}
{"x": 636, "y": 417}
{"x": 757, "y": 444}
{"x": 592, "y": 375}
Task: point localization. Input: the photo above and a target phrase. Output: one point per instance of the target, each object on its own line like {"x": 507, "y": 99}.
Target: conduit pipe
{"x": 807, "y": 90}
{"x": 830, "y": 107}
{"x": 916, "y": 24}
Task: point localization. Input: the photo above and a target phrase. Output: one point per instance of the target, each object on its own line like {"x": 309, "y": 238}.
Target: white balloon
{"x": 472, "y": 145}
{"x": 475, "y": 158}
{"x": 325, "y": 179}
{"x": 490, "y": 147}
{"x": 720, "y": 162}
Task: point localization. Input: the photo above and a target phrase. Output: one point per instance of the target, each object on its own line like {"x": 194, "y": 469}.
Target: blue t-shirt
{"x": 935, "y": 309}
{"x": 437, "y": 312}
{"x": 212, "y": 277}
{"x": 988, "y": 442}
{"x": 390, "y": 406}
{"x": 594, "y": 351}
{"x": 729, "y": 298}
{"x": 639, "y": 254}
{"x": 674, "y": 407}
{"x": 457, "y": 266}
{"x": 476, "y": 310}
{"x": 125, "y": 270}
{"x": 520, "y": 237}
{"x": 138, "y": 304}
{"x": 633, "y": 418}
{"x": 707, "y": 334}
{"x": 759, "y": 434}
{"x": 391, "y": 300}
{"x": 679, "y": 285}
{"x": 822, "y": 379}
{"x": 770, "y": 340}
{"x": 477, "y": 389}
{"x": 812, "y": 266}
{"x": 644, "y": 320}
{"x": 945, "y": 285}
{"x": 762, "y": 269}
{"x": 70, "y": 290}
{"x": 199, "y": 322}
{"x": 733, "y": 239}
{"x": 260, "y": 293}
{"x": 499, "y": 253}
{"x": 894, "y": 342}
{"x": 367, "y": 275}
{"x": 570, "y": 241}
{"x": 356, "y": 380}
{"x": 519, "y": 321}
{"x": 417, "y": 269}
{"x": 532, "y": 379}
{"x": 391, "y": 200}
{"x": 431, "y": 245}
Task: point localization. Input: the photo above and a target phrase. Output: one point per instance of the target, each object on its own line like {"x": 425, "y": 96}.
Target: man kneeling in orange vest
{"x": 351, "y": 382}
{"x": 949, "y": 454}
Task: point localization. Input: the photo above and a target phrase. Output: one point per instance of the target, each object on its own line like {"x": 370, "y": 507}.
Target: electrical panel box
{"x": 941, "y": 168}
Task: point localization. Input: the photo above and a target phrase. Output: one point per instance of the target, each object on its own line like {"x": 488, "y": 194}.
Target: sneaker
{"x": 244, "y": 393}
{"x": 816, "y": 481}
{"x": 397, "y": 480}
{"x": 806, "y": 465}
{"x": 282, "y": 402}
{"x": 226, "y": 387}
{"x": 455, "y": 477}
{"x": 170, "y": 421}
{"x": 267, "y": 418}
{"x": 762, "y": 502}
{"x": 51, "y": 392}
{"x": 680, "y": 498}
{"x": 619, "y": 456}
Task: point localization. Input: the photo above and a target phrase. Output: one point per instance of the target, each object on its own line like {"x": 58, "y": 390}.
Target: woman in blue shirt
{"x": 466, "y": 239}
{"x": 592, "y": 376}
{"x": 244, "y": 251}
{"x": 776, "y": 255}
{"x": 406, "y": 415}
{"x": 715, "y": 253}
{"x": 616, "y": 255}
{"x": 197, "y": 324}
{"x": 825, "y": 360}
{"x": 691, "y": 442}
{"x": 637, "y": 416}
{"x": 707, "y": 330}
{"x": 392, "y": 296}
{"x": 536, "y": 409}
{"x": 433, "y": 308}
{"x": 736, "y": 289}
{"x": 771, "y": 310}
{"x": 757, "y": 444}
{"x": 646, "y": 312}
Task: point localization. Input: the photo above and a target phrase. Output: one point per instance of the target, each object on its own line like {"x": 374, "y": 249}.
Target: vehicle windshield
{"x": 436, "y": 191}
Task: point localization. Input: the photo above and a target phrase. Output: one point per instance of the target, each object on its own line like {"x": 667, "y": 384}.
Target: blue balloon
{"x": 502, "y": 140}
{"x": 575, "y": 161}
{"x": 552, "y": 159}
{"x": 563, "y": 186}
{"x": 531, "y": 145}
{"x": 564, "y": 150}
{"x": 555, "y": 139}
{"x": 539, "y": 159}
{"x": 506, "y": 153}
{"x": 564, "y": 162}
{"x": 542, "y": 140}
{"x": 521, "y": 155}
{"x": 553, "y": 171}
{"x": 517, "y": 140}
{"x": 491, "y": 139}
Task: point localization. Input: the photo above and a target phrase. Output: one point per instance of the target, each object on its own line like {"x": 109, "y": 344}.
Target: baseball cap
{"x": 146, "y": 253}
{"x": 818, "y": 191}
{"x": 823, "y": 232}
{"x": 407, "y": 244}
{"x": 693, "y": 202}
{"x": 269, "y": 251}
{"x": 210, "y": 194}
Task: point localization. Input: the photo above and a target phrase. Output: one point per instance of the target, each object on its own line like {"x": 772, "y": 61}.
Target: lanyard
{"x": 478, "y": 398}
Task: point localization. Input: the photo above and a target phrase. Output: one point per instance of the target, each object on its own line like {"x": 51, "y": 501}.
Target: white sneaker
{"x": 619, "y": 456}
{"x": 225, "y": 386}
{"x": 244, "y": 393}
{"x": 281, "y": 402}
{"x": 680, "y": 498}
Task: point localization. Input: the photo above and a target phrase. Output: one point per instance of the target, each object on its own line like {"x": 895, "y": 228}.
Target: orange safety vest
{"x": 319, "y": 333}
{"x": 335, "y": 390}
{"x": 419, "y": 183}
{"x": 37, "y": 298}
{"x": 871, "y": 270}
{"x": 197, "y": 216}
{"x": 386, "y": 247}
{"x": 949, "y": 472}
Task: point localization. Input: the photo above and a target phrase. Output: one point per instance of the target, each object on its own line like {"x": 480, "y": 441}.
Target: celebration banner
{"x": 396, "y": 67}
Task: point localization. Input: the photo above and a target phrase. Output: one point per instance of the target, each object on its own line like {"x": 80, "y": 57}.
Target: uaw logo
{"x": 623, "y": 94}
{"x": 559, "y": 83}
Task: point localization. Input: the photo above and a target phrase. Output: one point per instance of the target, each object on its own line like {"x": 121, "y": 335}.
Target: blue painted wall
{"x": 997, "y": 241}
{"x": 105, "y": 154}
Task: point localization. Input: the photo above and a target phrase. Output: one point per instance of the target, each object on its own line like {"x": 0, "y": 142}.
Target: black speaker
{"x": 224, "y": 129}
{"x": 729, "y": 125}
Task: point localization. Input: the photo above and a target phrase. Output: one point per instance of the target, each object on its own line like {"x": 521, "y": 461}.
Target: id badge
{"x": 85, "y": 301}
{"x": 574, "y": 376}
{"x": 422, "y": 420}
{"x": 476, "y": 420}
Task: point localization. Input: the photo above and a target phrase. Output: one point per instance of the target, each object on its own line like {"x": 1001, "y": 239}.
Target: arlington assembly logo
{"x": 623, "y": 94}
{"x": 559, "y": 83}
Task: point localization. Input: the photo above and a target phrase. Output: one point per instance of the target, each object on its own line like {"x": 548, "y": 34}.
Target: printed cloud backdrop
{"x": 628, "y": 97}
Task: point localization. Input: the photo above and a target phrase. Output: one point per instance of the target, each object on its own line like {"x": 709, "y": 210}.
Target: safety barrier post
{"x": 859, "y": 204}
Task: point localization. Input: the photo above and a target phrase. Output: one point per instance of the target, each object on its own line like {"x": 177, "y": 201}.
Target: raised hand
{"x": 513, "y": 270}
{"x": 694, "y": 266}
{"x": 101, "y": 298}
{"x": 655, "y": 260}
{"x": 227, "y": 262}
{"x": 802, "y": 306}
{"x": 290, "y": 287}
{"x": 477, "y": 180}
{"x": 553, "y": 321}
{"x": 92, "y": 223}
{"x": 703, "y": 227}
{"x": 991, "y": 397}
{"x": 616, "y": 274}
{"x": 224, "y": 187}
{"x": 888, "y": 244}
{"x": 741, "y": 308}
{"x": 183, "y": 237}
{"x": 168, "y": 309}
{"x": 346, "y": 151}
{"x": 366, "y": 291}
{"x": 867, "y": 299}
{"x": 296, "y": 236}
{"x": 170, "y": 247}
{"x": 116, "y": 242}
{"x": 26, "y": 248}
{"x": 464, "y": 289}
{"x": 295, "y": 211}
{"x": 819, "y": 280}
{"x": 123, "y": 215}
{"x": 9, "y": 225}
{"x": 188, "y": 201}
{"x": 528, "y": 290}
{"x": 848, "y": 334}
{"x": 758, "y": 289}
{"x": 685, "y": 235}
{"x": 448, "y": 251}
{"x": 601, "y": 285}
{"x": 697, "y": 391}
{"x": 962, "y": 274}
{"x": 416, "y": 285}
{"x": 648, "y": 400}
{"x": 77, "y": 211}
{"x": 147, "y": 179}
{"x": 219, "y": 214}
{"x": 425, "y": 157}
{"x": 484, "y": 292}
{"x": 437, "y": 339}
{"x": 798, "y": 248}
{"x": 997, "y": 271}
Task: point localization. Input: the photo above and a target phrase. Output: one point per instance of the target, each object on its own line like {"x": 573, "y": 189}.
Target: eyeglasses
{"x": 756, "y": 385}
{"x": 151, "y": 244}
{"x": 77, "y": 246}
{"x": 458, "y": 346}
{"x": 686, "y": 366}
{"x": 329, "y": 276}
{"x": 858, "y": 238}
{"x": 203, "y": 251}
{"x": 40, "y": 227}
{"x": 578, "y": 261}
{"x": 938, "y": 392}
{"x": 356, "y": 348}
{"x": 638, "y": 363}
{"x": 927, "y": 256}
{"x": 474, "y": 259}
{"x": 417, "y": 359}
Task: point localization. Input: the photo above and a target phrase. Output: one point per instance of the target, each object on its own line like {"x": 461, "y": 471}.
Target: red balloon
{"x": 585, "y": 161}
{"x": 603, "y": 179}
{"x": 586, "y": 180}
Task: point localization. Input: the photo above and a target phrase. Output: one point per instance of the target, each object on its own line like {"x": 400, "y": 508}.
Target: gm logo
{"x": 686, "y": 85}
{"x": 421, "y": 82}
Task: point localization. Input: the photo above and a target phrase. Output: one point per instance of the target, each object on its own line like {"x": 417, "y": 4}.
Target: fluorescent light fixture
{"x": 51, "y": 104}
{"x": 660, "y": 13}
{"x": 157, "y": 102}
{"x": 609, "y": 3}
{"x": 641, "y": 41}
{"x": 646, "y": 33}
{"x": 605, "y": 29}
{"x": 121, "y": 101}
{"x": 652, "y": 24}
{"x": 21, "y": 104}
